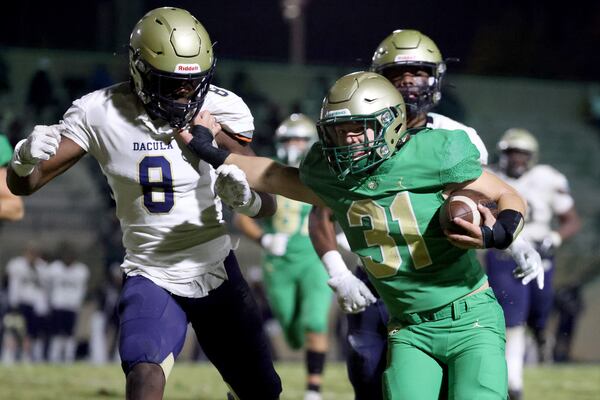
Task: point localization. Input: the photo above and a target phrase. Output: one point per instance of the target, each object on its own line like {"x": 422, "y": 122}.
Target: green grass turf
{"x": 202, "y": 382}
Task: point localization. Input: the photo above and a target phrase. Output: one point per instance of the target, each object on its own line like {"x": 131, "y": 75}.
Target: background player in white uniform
{"x": 178, "y": 262}
{"x": 28, "y": 305}
{"x": 67, "y": 288}
{"x": 547, "y": 193}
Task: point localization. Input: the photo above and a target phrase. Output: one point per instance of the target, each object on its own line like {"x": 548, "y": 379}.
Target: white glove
{"x": 274, "y": 243}
{"x": 233, "y": 189}
{"x": 352, "y": 294}
{"x": 529, "y": 262}
{"x": 342, "y": 241}
{"x": 41, "y": 144}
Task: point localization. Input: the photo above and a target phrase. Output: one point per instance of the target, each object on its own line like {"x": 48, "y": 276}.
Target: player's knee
{"x": 145, "y": 378}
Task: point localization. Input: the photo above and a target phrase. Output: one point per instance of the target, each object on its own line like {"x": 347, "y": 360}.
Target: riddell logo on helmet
{"x": 187, "y": 68}
{"x": 405, "y": 57}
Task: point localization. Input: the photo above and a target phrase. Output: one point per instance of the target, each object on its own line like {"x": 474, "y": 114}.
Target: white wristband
{"x": 20, "y": 168}
{"x": 252, "y": 207}
{"x": 334, "y": 263}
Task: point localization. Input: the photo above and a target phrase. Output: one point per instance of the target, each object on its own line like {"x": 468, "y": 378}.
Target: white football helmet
{"x": 296, "y": 126}
{"x": 517, "y": 140}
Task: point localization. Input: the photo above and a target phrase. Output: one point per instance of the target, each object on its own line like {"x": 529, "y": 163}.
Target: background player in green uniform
{"x": 295, "y": 280}
{"x": 11, "y": 206}
{"x": 385, "y": 186}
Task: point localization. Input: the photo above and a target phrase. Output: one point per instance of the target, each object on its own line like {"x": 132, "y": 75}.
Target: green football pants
{"x": 300, "y": 300}
{"x": 464, "y": 340}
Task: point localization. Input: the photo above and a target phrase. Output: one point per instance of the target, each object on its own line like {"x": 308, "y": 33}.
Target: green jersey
{"x": 291, "y": 218}
{"x": 5, "y": 151}
{"x": 390, "y": 218}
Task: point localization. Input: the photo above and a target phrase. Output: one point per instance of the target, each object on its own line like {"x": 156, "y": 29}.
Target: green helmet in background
{"x": 519, "y": 140}
{"x": 171, "y": 64}
{"x": 296, "y": 126}
{"x": 410, "y": 48}
{"x": 371, "y": 101}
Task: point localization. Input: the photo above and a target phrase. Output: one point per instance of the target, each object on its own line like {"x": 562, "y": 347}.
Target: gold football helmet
{"x": 296, "y": 126}
{"x": 372, "y": 101}
{"x": 171, "y": 64}
{"x": 408, "y": 48}
{"x": 517, "y": 140}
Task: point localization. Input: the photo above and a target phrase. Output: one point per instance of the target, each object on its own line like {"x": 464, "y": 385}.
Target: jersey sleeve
{"x": 460, "y": 159}
{"x": 74, "y": 125}
{"x": 562, "y": 201}
{"x": 231, "y": 112}
{"x": 5, "y": 151}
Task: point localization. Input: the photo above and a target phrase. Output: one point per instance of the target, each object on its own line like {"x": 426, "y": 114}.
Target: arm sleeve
{"x": 231, "y": 112}
{"x": 75, "y": 127}
{"x": 562, "y": 201}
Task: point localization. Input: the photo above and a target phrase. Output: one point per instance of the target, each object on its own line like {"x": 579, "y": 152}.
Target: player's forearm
{"x": 248, "y": 227}
{"x": 23, "y": 186}
{"x": 511, "y": 200}
{"x": 569, "y": 224}
{"x": 11, "y": 208}
{"x": 321, "y": 230}
{"x": 266, "y": 175}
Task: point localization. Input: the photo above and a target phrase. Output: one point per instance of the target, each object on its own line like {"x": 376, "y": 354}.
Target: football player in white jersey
{"x": 28, "y": 304}
{"x": 414, "y": 64}
{"x": 179, "y": 263}
{"x": 547, "y": 193}
{"x": 67, "y": 287}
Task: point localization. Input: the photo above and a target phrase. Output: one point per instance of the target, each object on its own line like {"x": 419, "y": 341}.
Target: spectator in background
{"x": 67, "y": 289}
{"x": 27, "y": 299}
{"x": 547, "y": 193}
{"x": 41, "y": 96}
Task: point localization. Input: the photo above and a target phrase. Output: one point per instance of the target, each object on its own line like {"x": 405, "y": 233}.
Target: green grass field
{"x": 202, "y": 382}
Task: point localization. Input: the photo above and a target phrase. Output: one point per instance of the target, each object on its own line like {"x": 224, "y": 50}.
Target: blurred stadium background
{"x": 521, "y": 64}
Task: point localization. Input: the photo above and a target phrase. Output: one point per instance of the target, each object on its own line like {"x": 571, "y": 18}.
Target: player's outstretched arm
{"x": 268, "y": 204}
{"x": 39, "y": 158}
{"x": 263, "y": 174}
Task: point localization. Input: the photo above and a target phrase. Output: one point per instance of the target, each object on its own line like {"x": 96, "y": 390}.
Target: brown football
{"x": 463, "y": 204}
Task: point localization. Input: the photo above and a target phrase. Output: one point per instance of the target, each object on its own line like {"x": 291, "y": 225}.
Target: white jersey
{"x": 438, "y": 121}
{"x": 68, "y": 285}
{"x": 27, "y": 284}
{"x": 173, "y": 228}
{"x": 547, "y": 193}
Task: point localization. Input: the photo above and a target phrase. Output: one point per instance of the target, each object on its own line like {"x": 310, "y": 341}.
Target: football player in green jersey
{"x": 11, "y": 206}
{"x": 414, "y": 64}
{"x": 295, "y": 280}
{"x": 385, "y": 186}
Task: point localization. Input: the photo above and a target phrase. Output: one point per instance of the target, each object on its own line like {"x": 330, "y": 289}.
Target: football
{"x": 463, "y": 203}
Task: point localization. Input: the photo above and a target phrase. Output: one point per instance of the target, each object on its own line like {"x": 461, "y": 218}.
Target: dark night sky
{"x": 493, "y": 37}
